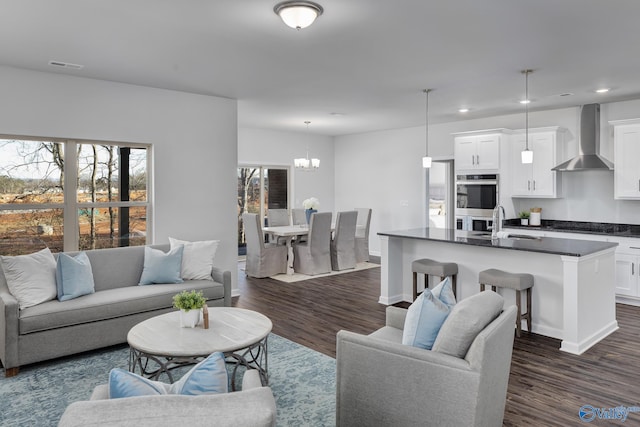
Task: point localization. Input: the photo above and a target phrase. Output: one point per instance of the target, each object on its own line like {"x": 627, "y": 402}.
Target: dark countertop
{"x": 601, "y": 228}
{"x": 548, "y": 245}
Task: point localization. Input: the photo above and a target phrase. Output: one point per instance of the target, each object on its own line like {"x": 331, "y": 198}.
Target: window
{"x": 71, "y": 195}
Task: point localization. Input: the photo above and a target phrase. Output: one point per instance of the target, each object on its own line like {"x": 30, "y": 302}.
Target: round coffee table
{"x": 158, "y": 345}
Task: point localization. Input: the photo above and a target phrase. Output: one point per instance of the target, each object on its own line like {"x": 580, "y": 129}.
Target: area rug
{"x": 302, "y": 381}
{"x": 297, "y": 277}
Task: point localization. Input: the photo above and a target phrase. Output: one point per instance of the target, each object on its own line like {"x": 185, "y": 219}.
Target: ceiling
{"x": 360, "y": 67}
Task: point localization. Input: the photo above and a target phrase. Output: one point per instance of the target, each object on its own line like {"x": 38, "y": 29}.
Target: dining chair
{"x": 278, "y": 218}
{"x": 343, "y": 244}
{"x": 298, "y": 216}
{"x": 362, "y": 234}
{"x": 263, "y": 259}
{"x": 314, "y": 255}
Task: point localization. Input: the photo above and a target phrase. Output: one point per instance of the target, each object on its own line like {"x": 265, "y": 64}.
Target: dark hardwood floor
{"x": 547, "y": 387}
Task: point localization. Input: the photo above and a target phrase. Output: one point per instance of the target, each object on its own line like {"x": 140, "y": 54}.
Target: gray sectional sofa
{"x": 54, "y": 328}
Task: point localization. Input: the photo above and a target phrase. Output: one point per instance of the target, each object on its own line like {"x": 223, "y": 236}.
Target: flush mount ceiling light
{"x": 527, "y": 155}
{"x": 426, "y": 160}
{"x": 603, "y": 90}
{"x": 305, "y": 163}
{"x": 298, "y": 14}
{"x": 463, "y": 110}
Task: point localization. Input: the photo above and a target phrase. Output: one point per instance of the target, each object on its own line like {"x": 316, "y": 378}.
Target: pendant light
{"x": 426, "y": 160}
{"x": 305, "y": 163}
{"x": 526, "y": 155}
{"x": 298, "y": 14}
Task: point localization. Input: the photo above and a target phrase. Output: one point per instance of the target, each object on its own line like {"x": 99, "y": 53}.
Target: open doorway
{"x": 441, "y": 194}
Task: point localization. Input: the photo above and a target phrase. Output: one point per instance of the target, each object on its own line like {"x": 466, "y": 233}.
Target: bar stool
{"x": 429, "y": 267}
{"x": 518, "y": 282}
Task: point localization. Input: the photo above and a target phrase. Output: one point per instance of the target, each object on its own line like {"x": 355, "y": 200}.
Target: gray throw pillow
{"x": 466, "y": 320}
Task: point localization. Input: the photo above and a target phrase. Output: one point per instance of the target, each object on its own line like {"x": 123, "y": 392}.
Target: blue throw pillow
{"x": 424, "y": 318}
{"x": 160, "y": 267}
{"x": 207, "y": 377}
{"x": 74, "y": 277}
{"x": 444, "y": 292}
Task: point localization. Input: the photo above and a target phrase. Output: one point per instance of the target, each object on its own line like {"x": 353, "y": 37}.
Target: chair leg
{"x": 529, "y": 310}
{"x": 494, "y": 289}
{"x": 453, "y": 285}
{"x": 519, "y": 315}
{"x": 426, "y": 281}
{"x": 415, "y": 285}
{"x": 481, "y": 287}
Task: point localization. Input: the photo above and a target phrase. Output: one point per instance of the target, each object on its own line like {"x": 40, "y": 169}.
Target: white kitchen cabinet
{"x": 626, "y": 151}
{"x": 478, "y": 150}
{"x": 537, "y": 179}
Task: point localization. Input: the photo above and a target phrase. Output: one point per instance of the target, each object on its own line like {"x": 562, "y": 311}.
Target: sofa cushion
{"x": 467, "y": 319}
{"x": 161, "y": 267}
{"x": 197, "y": 258}
{"x": 74, "y": 277}
{"x": 110, "y": 304}
{"x": 31, "y": 278}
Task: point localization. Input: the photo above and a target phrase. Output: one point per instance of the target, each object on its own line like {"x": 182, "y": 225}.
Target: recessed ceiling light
{"x": 61, "y": 64}
{"x": 566, "y": 94}
{"x": 525, "y": 101}
{"x": 463, "y": 110}
{"x": 603, "y": 90}
{"x": 336, "y": 114}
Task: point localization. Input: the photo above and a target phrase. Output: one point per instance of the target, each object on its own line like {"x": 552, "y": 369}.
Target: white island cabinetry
{"x": 626, "y": 149}
{"x": 478, "y": 150}
{"x": 537, "y": 179}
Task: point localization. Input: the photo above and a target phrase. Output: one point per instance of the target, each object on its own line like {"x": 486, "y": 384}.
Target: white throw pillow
{"x": 197, "y": 258}
{"x": 31, "y": 278}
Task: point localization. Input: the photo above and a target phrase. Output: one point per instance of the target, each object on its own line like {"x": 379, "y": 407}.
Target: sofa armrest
{"x": 9, "y": 328}
{"x": 378, "y": 380}
{"x": 223, "y": 277}
{"x": 255, "y": 407}
{"x": 395, "y": 317}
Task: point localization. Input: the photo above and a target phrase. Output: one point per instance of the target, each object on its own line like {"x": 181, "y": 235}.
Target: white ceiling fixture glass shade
{"x": 426, "y": 160}
{"x": 298, "y": 14}
{"x": 526, "y": 155}
{"x": 305, "y": 163}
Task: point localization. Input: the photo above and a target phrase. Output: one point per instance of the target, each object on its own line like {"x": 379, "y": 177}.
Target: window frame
{"x": 70, "y": 206}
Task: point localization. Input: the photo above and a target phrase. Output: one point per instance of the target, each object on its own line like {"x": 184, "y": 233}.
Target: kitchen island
{"x": 574, "y": 293}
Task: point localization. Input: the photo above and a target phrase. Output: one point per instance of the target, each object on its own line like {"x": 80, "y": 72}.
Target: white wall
{"x": 275, "y": 148}
{"x": 194, "y": 141}
{"x": 382, "y": 170}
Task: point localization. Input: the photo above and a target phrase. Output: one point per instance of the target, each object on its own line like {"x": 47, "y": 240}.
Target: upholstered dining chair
{"x": 314, "y": 255}
{"x": 362, "y": 234}
{"x": 278, "y": 218}
{"x": 343, "y": 244}
{"x": 298, "y": 216}
{"x": 263, "y": 259}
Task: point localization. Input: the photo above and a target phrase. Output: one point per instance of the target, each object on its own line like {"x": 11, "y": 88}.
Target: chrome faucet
{"x": 497, "y": 221}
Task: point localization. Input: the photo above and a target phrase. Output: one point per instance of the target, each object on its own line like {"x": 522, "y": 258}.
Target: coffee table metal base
{"x": 152, "y": 366}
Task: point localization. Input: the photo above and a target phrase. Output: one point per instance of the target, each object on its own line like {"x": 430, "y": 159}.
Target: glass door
{"x": 260, "y": 188}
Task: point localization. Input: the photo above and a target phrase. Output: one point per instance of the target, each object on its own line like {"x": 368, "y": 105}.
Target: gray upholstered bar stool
{"x": 516, "y": 281}
{"x": 429, "y": 267}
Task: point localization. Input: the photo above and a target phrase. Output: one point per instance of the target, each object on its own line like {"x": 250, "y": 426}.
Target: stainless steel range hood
{"x": 588, "y": 157}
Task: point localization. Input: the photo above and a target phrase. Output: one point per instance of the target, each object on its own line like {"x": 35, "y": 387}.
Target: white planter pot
{"x": 524, "y": 221}
{"x": 189, "y": 319}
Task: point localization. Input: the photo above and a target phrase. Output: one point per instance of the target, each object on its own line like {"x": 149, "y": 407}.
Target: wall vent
{"x": 61, "y": 64}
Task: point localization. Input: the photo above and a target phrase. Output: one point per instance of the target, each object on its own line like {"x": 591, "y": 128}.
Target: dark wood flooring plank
{"x": 547, "y": 387}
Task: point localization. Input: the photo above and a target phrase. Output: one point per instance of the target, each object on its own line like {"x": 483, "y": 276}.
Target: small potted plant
{"x": 524, "y": 217}
{"x": 190, "y": 304}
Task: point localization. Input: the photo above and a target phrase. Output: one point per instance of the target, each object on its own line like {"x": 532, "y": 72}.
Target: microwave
{"x": 476, "y": 195}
